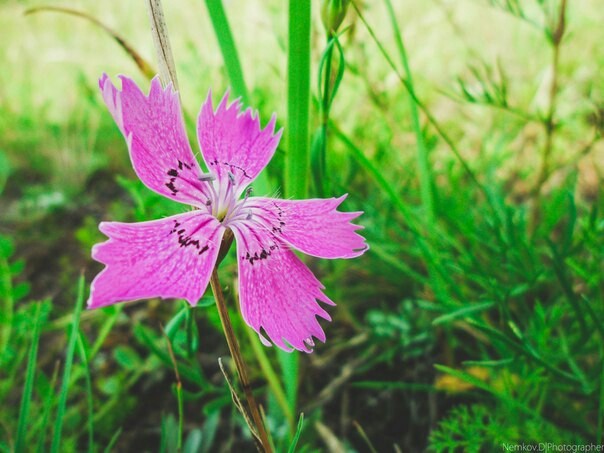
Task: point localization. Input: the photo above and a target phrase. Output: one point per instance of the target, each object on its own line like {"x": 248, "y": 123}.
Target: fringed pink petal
{"x": 233, "y": 144}
{"x": 278, "y": 293}
{"x": 314, "y": 227}
{"x": 169, "y": 258}
{"x": 159, "y": 149}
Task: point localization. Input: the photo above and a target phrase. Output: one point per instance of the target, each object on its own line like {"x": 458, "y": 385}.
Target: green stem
{"x": 298, "y": 99}
{"x": 325, "y": 106}
{"x": 297, "y": 161}
{"x": 181, "y": 415}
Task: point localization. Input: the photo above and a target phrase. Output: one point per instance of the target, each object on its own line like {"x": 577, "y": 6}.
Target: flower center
{"x": 223, "y": 203}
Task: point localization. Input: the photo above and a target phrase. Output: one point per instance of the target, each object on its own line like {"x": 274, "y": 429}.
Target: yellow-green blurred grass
{"x": 49, "y": 60}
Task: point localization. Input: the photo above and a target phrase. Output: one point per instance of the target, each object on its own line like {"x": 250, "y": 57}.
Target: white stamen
{"x": 205, "y": 177}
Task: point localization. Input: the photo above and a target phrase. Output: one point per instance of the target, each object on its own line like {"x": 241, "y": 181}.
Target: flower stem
{"x": 233, "y": 344}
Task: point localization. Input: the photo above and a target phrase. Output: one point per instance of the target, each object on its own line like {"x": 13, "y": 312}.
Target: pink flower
{"x": 174, "y": 257}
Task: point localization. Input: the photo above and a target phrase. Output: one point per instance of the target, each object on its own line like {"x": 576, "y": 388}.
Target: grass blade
{"x": 85, "y": 361}
{"x": 292, "y": 447}
{"x": 463, "y": 312}
{"x": 71, "y": 344}
{"x": 29, "y": 382}
{"x": 105, "y": 330}
{"x": 113, "y": 441}
{"x": 7, "y": 302}
{"x": 227, "y": 47}
{"x": 230, "y": 56}
{"x": 48, "y": 403}
{"x": 601, "y": 407}
{"x": 425, "y": 179}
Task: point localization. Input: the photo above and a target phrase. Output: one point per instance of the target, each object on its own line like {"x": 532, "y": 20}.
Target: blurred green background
{"x": 469, "y": 133}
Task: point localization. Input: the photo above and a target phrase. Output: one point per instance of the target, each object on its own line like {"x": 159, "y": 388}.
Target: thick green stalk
{"x": 423, "y": 165}
{"x": 297, "y": 161}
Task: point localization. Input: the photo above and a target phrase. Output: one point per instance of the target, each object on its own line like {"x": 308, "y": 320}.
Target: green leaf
{"x": 127, "y": 357}
{"x": 294, "y": 444}
{"x": 463, "y": 312}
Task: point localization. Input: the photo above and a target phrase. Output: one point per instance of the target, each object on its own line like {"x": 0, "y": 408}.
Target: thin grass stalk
{"x": 321, "y": 159}
{"x": 30, "y": 376}
{"x": 423, "y": 166}
{"x": 178, "y": 390}
{"x": 190, "y": 323}
{"x": 7, "y": 304}
{"x": 161, "y": 41}
{"x": 105, "y": 330}
{"x": 48, "y": 403}
{"x": 113, "y": 441}
{"x": 89, "y": 401}
{"x": 431, "y": 119}
{"x": 270, "y": 375}
{"x": 327, "y": 87}
{"x": 549, "y": 122}
{"x": 600, "y": 427}
{"x": 71, "y": 345}
{"x": 235, "y": 351}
